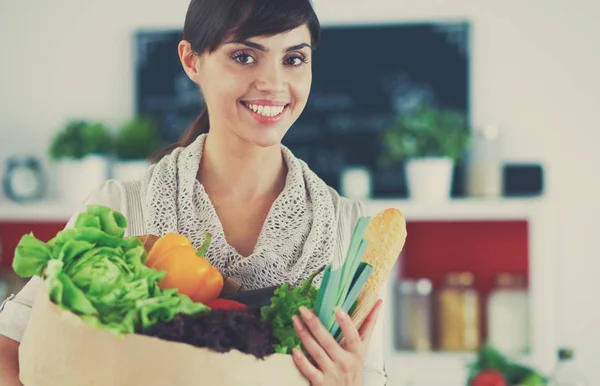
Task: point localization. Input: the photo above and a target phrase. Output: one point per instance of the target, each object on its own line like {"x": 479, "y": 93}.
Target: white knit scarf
{"x": 297, "y": 237}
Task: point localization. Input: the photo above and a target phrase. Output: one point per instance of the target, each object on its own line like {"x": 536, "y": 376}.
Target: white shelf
{"x": 455, "y": 209}
{"x": 451, "y": 369}
{"x": 40, "y": 211}
{"x": 462, "y": 209}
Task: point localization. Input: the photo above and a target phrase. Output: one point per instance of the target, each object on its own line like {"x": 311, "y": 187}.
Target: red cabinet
{"x": 12, "y": 231}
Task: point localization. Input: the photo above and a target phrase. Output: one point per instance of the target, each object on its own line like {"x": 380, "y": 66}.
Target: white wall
{"x": 535, "y": 71}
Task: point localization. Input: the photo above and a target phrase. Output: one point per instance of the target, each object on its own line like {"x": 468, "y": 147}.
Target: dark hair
{"x": 209, "y": 22}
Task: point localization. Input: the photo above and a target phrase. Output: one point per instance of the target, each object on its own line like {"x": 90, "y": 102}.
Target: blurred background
{"x": 479, "y": 120}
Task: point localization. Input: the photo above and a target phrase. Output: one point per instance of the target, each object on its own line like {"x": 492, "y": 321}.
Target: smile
{"x": 269, "y": 112}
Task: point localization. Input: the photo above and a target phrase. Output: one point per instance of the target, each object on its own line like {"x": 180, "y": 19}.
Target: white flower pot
{"x": 134, "y": 170}
{"x": 76, "y": 179}
{"x": 430, "y": 179}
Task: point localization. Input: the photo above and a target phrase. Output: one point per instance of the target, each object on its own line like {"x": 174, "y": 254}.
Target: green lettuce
{"x": 286, "y": 301}
{"x": 96, "y": 273}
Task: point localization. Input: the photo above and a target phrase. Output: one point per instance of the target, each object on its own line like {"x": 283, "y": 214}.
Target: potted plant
{"x": 429, "y": 141}
{"x": 491, "y": 367}
{"x": 135, "y": 141}
{"x": 80, "y": 151}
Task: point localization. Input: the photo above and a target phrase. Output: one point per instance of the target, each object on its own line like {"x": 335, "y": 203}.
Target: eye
{"x": 244, "y": 58}
{"x": 295, "y": 60}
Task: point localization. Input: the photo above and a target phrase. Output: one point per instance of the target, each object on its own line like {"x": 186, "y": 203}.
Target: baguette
{"x": 385, "y": 235}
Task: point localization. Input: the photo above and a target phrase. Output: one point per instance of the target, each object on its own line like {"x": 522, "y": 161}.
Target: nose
{"x": 270, "y": 79}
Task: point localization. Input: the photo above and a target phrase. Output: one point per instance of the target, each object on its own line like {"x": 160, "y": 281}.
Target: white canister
{"x": 356, "y": 183}
{"x": 484, "y": 167}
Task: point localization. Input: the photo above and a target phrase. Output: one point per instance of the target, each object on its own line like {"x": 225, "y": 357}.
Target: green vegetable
{"x": 340, "y": 287}
{"x": 285, "y": 303}
{"x": 31, "y": 256}
{"x": 93, "y": 271}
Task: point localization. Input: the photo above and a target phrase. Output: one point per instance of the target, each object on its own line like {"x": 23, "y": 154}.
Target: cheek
{"x": 300, "y": 88}
{"x": 222, "y": 87}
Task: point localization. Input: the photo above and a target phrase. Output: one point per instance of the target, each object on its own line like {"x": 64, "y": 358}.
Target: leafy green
{"x": 286, "y": 302}
{"x": 93, "y": 271}
{"x": 31, "y": 256}
{"x": 340, "y": 287}
{"x": 360, "y": 278}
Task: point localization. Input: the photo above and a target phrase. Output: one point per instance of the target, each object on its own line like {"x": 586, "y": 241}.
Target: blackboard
{"x": 363, "y": 77}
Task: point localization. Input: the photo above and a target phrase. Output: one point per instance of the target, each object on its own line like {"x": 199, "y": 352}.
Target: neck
{"x": 233, "y": 168}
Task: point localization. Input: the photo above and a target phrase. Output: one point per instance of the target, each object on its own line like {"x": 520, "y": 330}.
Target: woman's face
{"x": 257, "y": 88}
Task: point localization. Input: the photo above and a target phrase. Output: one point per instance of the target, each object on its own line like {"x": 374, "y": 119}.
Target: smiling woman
{"x": 259, "y": 51}
{"x": 272, "y": 220}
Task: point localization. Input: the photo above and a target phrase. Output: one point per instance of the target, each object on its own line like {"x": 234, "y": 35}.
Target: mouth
{"x": 266, "y": 113}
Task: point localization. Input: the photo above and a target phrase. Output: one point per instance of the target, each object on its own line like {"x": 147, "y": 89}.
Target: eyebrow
{"x": 260, "y": 47}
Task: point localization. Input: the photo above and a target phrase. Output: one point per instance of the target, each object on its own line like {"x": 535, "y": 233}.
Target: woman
{"x": 272, "y": 219}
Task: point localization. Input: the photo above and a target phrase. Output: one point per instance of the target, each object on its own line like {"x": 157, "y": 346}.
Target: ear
{"x": 188, "y": 59}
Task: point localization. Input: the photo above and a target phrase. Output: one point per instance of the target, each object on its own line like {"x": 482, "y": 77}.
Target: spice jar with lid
{"x": 508, "y": 314}
{"x": 458, "y": 313}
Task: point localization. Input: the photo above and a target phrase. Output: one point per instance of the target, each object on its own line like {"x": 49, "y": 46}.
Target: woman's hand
{"x": 335, "y": 364}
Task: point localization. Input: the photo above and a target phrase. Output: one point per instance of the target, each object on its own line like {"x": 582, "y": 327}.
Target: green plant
{"x": 427, "y": 132}
{"x": 137, "y": 139}
{"x": 488, "y": 358}
{"x": 79, "y": 139}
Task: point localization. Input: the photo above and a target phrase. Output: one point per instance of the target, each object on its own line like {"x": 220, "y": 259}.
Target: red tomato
{"x": 225, "y": 304}
{"x": 489, "y": 378}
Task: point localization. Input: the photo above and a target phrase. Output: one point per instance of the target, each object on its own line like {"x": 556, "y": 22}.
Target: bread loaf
{"x": 385, "y": 235}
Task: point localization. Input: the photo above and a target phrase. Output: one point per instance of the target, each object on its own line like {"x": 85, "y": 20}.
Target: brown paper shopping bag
{"x": 58, "y": 349}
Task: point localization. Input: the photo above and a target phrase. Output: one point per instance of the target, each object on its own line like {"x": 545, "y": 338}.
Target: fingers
{"x": 313, "y": 348}
{"x": 321, "y": 342}
{"x": 349, "y": 331}
{"x": 366, "y": 330}
{"x": 306, "y": 368}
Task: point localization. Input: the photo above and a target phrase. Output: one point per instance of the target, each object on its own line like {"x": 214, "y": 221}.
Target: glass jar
{"x": 484, "y": 166}
{"x": 413, "y": 315}
{"x": 459, "y": 313}
{"x": 508, "y": 314}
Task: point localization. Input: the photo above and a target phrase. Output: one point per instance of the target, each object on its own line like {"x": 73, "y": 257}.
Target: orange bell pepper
{"x": 163, "y": 244}
{"x": 187, "y": 269}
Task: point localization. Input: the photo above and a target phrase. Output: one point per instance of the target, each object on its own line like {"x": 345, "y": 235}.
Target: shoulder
{"x": 119, "y": 196}
{"x": 348, "y": 210}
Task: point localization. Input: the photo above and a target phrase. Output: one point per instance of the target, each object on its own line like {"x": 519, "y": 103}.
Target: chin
{"x": 266, "y": 137}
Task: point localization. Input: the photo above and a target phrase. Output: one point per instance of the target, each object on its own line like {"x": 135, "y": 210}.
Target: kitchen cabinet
{"x": 485, "y": 237}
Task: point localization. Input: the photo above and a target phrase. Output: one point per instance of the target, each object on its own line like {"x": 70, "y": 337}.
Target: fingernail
{"x": 296, "y": 352}
{"x": 297, "y": 323}
{"x": 339, "y": 311}
{"x": 306, "y": 313}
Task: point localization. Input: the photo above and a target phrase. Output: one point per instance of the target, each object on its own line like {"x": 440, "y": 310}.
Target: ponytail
{"x": 200, "y": 126}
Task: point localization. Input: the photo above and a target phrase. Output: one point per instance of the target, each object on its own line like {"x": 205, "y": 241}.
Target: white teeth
{"x": 267, "y": 111}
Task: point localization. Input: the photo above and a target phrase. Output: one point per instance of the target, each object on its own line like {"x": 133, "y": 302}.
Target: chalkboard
{"x": 363, "y": 77}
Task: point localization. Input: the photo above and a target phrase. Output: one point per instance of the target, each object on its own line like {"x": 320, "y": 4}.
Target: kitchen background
{"x": 510, "y": 259}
